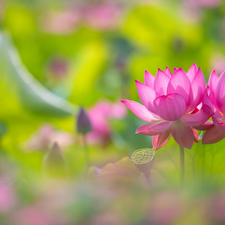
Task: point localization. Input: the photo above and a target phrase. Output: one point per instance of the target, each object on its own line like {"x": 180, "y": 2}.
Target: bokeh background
{"x": 58, "y": 55}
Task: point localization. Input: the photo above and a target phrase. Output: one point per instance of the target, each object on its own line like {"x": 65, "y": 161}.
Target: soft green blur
{"x": 56, "y": 56}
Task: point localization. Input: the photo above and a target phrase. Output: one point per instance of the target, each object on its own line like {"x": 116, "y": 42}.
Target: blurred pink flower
{"x": 105, "y": 16}
{"x": 46, "y": 136}
{"x": 61, "y": 22}
{"x": 7, "y": 197}
{"x": 192, "y": 9}
{"x": 218, "y": 63}
{"x": 99, "y": 115}
{"x": 106, "y": 217}
{"x": 165, "y": 208}
{"x": 1, "y": 9}
{"x": 215, "y": 209}
{"x": 170, "y": 105}
{"x": 32, "y": 215}
{"x": 203, "y": 3}
{"x": 58, "y": 68}
{"x": 215, "y": 98}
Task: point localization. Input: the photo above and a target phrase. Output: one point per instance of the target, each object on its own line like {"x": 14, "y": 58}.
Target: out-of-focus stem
{"x": 203, "y": 163}
{"x": 86, "y": 151}
{"x": 182, "y": 165}
{"x": 148, "y": 179}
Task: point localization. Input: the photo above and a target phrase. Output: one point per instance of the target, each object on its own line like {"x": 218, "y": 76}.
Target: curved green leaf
{"x": 23, "y": 89}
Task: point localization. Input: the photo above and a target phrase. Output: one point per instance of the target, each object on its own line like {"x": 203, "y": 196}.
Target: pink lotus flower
{"x": 32, "y": 215}
{"x": 218, "y": 62}
{"x": 46, "y": 136}
{"x": 215, "y": 208}
{"x": 215, "y": 98}
{"x": 7, "y": 197}
{"x": 166, "y": 208}
{"x": 104, "y": 16}
{"x": 58, "y": 69}
{"x": 170, "y": 105}
{"x": 204, "y": 3}
{"x": 62, "y": 23}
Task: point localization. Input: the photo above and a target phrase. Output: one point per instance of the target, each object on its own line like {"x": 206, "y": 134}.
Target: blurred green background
{"x": 58, "y": 55}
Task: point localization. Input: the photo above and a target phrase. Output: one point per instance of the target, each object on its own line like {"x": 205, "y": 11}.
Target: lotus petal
{"x": 149, "y": 79}
{"x": 192, "y": 72}
{"x": 205, "y": 126}
{"x": 182, "y": 134}
{"x": 141, "y": 111}
{"x": 213, "y": 135}
{"x": 197, "y": 90}
{"x": 180, "y": 84}
{"x": 212, "y": 85}
{"x": 220, "y": 93}
{"x": 153, "y": 128}
{"x": 195, "y": 132}
{"x": 159, "y": 140}
{"x": 161, "y": 82}
{"x": 198, "y": 118}
{"x": 170, "y": 107}
{"x": 206, "y": 99}
{"x": 168, "y": 72}
{"x": 219, "y": 123}
{"x": 147, "y": 95}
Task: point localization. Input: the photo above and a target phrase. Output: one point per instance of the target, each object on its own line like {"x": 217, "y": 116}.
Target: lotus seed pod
{"x": 144, "y": 159}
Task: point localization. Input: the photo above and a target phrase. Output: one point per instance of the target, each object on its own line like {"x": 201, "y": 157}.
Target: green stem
{"x": 194, "y": 163}
{"x": 86, "y": 151}
{"x": 203, "y": 163}
{"x": 148, "y": 179}
{"x": 182, "y": 166}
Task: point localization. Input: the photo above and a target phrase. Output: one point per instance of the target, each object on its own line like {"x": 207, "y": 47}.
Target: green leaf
{"x": 21, "y": 88}
{"x": 124, "y": 168}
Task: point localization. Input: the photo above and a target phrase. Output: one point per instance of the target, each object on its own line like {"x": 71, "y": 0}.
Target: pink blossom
{"x": 83, "y": 122}
{"x": 214, "y": 97}
{"x": 104, "y": 16}
{"x": 32, "y": 215}
{"x": 166, "y": 208}
{"x": 218, "y": 63}
{"x": 192, "y": 8}
{"x": 106, "y": 217}
{"x": 7, "y": 197}
{"x": 203, "y": 3}
{"x": 58, "y": 68}
{"x": 99, "y": 115}
{"x": 61, "y": 22}
{"x": 215, "y": 208}
{"x": 209, "y": 3}
{"x": 46, "y": 136}
{"x": 170, "y": 105}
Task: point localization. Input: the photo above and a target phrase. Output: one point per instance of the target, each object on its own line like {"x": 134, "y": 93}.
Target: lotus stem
{"x": 182, "y": 165}
{"x": 86, "y": 152}
{"x": 148, "y": 179}
{"x": 203, "y": 163}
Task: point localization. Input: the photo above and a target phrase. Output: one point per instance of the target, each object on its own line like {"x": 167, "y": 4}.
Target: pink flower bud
{"x": 83, "y": 122}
